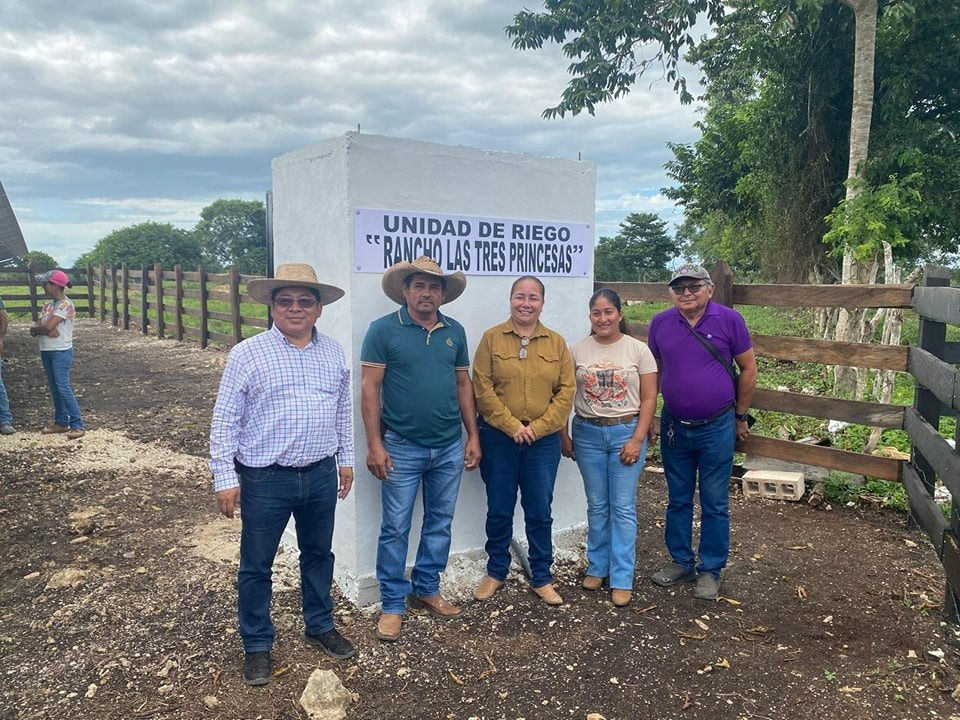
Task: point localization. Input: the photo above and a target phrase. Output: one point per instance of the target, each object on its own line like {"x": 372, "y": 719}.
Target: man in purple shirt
{"x": 281, "y": 443}
{"x": 703, "y": 415}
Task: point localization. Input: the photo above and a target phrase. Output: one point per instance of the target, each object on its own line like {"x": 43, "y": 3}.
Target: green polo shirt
{"x": 419, "y": 393}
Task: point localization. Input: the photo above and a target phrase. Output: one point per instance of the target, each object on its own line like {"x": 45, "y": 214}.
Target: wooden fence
{"x": 932, "y": 363}
{"x": 167, "y": 303}
{"x": 31, "y": 301}
{"x": 153, "y": 300}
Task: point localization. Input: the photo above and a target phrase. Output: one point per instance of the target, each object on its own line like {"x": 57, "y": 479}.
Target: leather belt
{"x": 699, "y": 423}
{"x": 609, "y": 421}
{"x": 285, "y": 468}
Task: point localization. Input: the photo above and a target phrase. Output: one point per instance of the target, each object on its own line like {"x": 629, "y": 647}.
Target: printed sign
{"x": 472, "y": 245}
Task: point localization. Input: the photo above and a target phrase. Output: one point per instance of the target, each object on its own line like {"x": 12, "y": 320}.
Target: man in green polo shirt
{"x": 415, "y": 392}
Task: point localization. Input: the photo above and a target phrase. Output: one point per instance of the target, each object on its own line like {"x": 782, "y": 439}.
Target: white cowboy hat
{"x": 292, "y": 275}
{"x": 394, "y": 277}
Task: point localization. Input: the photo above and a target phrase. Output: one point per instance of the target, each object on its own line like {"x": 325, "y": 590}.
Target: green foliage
{"x": 145, "y": 244}
{"x": 639, "y": 252}
{"x": 37, "y": 261}
{"x": 861, "y": 224}
{"x": 841, "y": 489}
{"x": 771, "y": 164}
{"x": 602, "y": 39}
{"x": 234, "y": 232}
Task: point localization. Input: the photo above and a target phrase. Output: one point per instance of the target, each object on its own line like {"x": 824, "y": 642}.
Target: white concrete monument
{"x": 353, "y": 205}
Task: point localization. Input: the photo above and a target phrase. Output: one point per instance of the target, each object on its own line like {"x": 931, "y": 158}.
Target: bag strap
{"x": 716, "y": 354}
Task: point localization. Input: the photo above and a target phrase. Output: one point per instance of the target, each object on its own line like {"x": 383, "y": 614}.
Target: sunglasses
{"x": 694, "y": 288}
{"x": 307, "y": 303}
{"x": 524, "y": 341}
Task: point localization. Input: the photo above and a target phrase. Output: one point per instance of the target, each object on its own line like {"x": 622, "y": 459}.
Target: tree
{"x": 605, "y": 39}
{"x": 639, "y": 252}
{"x": 145, "y": 244}
{"x": 234, "y": 232}
{"x": 37, "y": 261}
{"x": 769, "y": 165}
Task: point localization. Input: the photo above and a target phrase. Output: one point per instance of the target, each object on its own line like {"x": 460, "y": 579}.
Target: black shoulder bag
{"x": 731, "y": 368}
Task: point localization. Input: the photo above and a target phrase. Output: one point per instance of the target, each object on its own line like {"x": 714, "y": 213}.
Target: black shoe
{"x": 332, "y": 643}
{"x": 256, "y": 668}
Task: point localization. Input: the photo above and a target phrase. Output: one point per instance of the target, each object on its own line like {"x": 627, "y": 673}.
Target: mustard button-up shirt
{"x": 537, "y": 390}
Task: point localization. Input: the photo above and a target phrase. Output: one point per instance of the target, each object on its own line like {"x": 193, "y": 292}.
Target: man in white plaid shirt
{"x": 281, "y": 444}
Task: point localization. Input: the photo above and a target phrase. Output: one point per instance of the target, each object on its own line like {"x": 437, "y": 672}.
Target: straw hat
{"x": 394, "y": 277}
{"x": 292, "y": 275}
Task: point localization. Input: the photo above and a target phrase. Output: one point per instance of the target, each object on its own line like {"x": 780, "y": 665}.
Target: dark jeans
{"x": 506, "y": 468}
{"x": 268, "y": 497}
{"x": 698, "y": 457}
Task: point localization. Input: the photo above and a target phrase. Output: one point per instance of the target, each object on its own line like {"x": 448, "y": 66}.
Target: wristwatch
{"x": 742, "y": 417}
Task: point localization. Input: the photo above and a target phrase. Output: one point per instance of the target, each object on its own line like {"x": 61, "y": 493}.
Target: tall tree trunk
{"x": 851, "y": 324}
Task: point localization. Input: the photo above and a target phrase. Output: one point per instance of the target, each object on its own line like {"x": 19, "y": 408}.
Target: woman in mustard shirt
{"x": 524, "y": 384}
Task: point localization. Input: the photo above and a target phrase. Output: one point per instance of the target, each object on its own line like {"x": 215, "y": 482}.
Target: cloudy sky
{"x": 116, "y": 113}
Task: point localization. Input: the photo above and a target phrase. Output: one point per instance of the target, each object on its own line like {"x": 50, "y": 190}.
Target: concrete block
{"x": 773, "y": 484}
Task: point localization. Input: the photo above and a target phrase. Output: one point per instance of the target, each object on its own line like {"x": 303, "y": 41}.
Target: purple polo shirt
{"x": 693, "y": 384}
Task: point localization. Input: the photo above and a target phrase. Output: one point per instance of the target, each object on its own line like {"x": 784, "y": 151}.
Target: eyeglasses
{"x": 694, "y": 288}
{"x": 524, "y": 341}
{"x": 307, "y": 303}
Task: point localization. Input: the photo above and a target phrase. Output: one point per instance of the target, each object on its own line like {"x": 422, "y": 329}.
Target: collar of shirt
{"x": 508, "y": 327}
{"x": 403, "y": 315}
{"x": 280, "y": 337}
{"x": 710, "y": 310}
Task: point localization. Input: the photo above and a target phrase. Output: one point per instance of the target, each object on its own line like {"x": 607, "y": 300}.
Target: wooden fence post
{"x": 125, "y": 304}
{"x": 158, "y": 288}
{"x": 722, "y": 277}
{"x": 932, "y": 338}
{"x": 32, "y": 284}
{"x": 235, "y": 304}
{"x": 90, "y": 308}
{"x": 144, "y": 295}
{"x": 204, "y": 331}
{"x": 178, "y": 294}
{"x": 113, "y": 295}
{"x": 102, "y": 283}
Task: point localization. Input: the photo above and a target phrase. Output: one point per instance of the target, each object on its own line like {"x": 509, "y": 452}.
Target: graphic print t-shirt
{"x": 608, "y": 376}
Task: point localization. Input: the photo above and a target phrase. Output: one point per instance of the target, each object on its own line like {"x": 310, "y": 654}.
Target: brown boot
{"x": 592, "y": 582}
{"x": 621, "y": 598}
{"x": 435, "y": 605}
{"x": 548, "y": 594}
{"x": 487, "y": 587}
{"x": 388, "y": 627}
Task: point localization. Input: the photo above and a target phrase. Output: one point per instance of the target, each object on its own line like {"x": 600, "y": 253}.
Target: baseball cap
{"x": 695, "y": 272}
{"x": 56, "y": 277}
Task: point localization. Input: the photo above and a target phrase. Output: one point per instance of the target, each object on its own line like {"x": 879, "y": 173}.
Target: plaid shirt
{"x": 281, "y": 404}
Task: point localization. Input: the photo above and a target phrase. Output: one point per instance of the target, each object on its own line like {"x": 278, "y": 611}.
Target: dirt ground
{"x": 117, "y": 592}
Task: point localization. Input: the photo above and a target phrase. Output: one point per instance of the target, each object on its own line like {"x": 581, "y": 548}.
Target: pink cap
{"x": 57, "y": 277}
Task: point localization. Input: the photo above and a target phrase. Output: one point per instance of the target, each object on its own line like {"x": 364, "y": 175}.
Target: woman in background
{"x": 55, "y": 332}
{"x": 614, "y": 404}
{"x": 524, "y": 384}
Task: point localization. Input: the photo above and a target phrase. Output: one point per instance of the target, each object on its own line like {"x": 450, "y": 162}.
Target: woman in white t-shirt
{"x": 55, "y": 332}
{"x": 613, "y": 409}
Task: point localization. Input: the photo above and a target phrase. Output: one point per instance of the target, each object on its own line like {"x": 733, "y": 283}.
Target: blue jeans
{"x": 687, "y": 452}
{"x": 439, "y": 471}
{"x": 268, "y": 497}
{"x": 506, "y": 468}
{"x": 56, "y": 365}
{"x": 5, "y": 416}
{"x": 611, "y": 490}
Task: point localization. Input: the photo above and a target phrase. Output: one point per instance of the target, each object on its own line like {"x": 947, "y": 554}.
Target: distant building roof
{"x": 12, "y": 244}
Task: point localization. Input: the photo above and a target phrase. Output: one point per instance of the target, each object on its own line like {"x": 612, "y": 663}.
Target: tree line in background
{"x": 230, "y": 232}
